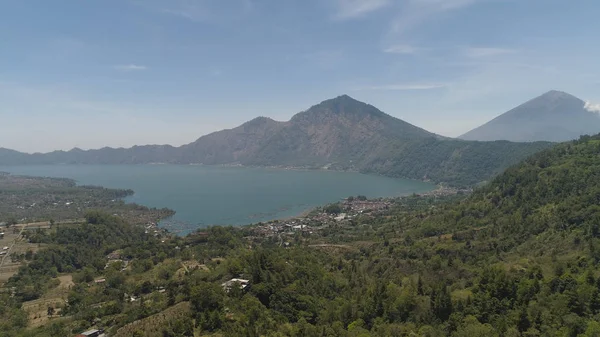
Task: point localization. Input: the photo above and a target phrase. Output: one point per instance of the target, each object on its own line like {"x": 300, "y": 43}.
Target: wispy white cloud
{"x": 402, "y": 49}
{"x": 480, "y": 52}
{"x": 592, "y": 107}
{"x": 406, "y": 86}
{"x": 326, "y": 59}
{"x": 190, "y": 11}
{"x": 130, "y": 67}
{"x": 186, "y": 14}
{"x": 198, "y": 10}
{"x": 351, "y": 9}
{"x": 416, "y": 12}
{"x": 444, "y": 4}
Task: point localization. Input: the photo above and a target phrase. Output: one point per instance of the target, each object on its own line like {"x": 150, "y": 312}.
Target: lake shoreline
{"x": 236, "y": 196}
{"x": 274, "y": 167}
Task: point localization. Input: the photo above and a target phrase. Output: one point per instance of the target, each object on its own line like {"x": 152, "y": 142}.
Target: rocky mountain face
{"x": 338, "y": 131}
{"x": 233, "y": 146}
{"x": 554, "y": 116}
{"x": 341, "y": 133}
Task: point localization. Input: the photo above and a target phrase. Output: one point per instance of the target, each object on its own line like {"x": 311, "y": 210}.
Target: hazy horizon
{"x": 595, "y": 110}
{"x": 123, "y": 73}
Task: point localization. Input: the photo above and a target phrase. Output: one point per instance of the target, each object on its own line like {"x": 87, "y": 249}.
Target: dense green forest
{"x": 452, "y": 162}
{"x": 518, "y": 257}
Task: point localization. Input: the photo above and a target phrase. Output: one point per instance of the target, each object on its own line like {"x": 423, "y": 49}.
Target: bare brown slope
{"x": 230, "y": 146}
{"x": 339, "y": 130}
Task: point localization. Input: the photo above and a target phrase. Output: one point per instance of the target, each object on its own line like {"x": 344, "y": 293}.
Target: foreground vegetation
{"x": 518, "y": 257}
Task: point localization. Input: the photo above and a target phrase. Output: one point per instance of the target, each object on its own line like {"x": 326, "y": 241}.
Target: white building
{"x": 243, "y": 283}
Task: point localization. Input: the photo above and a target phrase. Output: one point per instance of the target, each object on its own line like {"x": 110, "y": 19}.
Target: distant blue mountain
{"x": 554, "y": 116}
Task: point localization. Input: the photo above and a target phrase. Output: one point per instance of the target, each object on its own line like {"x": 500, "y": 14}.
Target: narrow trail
{"x": 331, "y": 246}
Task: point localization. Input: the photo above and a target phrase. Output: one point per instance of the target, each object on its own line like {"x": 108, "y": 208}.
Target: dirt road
{"x": 4, "y": 257}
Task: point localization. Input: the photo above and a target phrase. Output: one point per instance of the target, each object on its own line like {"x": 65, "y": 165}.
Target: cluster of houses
{"x": 358, "y": 206}
{"x": 278, "y": 227}
{"x": 443, "y": 191}
{"x": 153, "y": 229}
{"x": 115, "y": 257}
{"x": 309, "y": 224}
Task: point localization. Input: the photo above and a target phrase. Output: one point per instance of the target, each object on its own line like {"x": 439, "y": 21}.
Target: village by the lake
{"x": 342, "y": 213}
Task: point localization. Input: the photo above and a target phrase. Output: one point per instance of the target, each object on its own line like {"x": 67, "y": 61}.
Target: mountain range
{"x": 554, "y": 116}
{"x": 340, "y": 133}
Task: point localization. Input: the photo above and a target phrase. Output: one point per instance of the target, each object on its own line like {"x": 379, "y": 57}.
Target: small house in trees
{"x": 92, "y": 333}
{"x": 243, "y": 284}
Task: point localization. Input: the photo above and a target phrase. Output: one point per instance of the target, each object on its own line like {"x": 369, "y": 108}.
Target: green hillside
{"x": 518, "y": 257}
{"x": 449, "y": 161}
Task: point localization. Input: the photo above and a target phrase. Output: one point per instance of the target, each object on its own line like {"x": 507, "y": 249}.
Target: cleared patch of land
{"x": 37, "y": 310}
{"x": 17, "y": 246}
{"x": 326, "y": 245}
{"x": 151, "y": 326}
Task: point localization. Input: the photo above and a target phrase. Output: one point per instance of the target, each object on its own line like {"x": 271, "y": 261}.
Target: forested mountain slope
{"x": 518, "y": 257}
{"x": 451, "y": 161}
{"x": 556, "y": 189}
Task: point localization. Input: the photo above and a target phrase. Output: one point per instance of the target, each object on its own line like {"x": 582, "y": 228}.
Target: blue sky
{"x": 100, "y": 73}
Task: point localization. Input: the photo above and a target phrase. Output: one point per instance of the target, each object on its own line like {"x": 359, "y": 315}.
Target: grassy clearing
{"x": 17, "y": 246}
{"x": 37, "y": 310}
{"x": 151, "y": 326}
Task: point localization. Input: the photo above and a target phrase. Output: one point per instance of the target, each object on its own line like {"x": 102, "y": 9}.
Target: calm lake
{"x": 204, "y": 195}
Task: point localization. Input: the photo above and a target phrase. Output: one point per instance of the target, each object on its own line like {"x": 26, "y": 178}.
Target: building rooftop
{"x": 243, "y": 283}
{"x": 94, "y": 333}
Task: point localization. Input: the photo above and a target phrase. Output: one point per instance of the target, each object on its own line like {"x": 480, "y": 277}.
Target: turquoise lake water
{"x": 204, "y": 195}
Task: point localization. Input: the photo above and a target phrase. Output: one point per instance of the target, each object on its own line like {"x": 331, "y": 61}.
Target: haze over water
{"x": 204, "y": 195}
